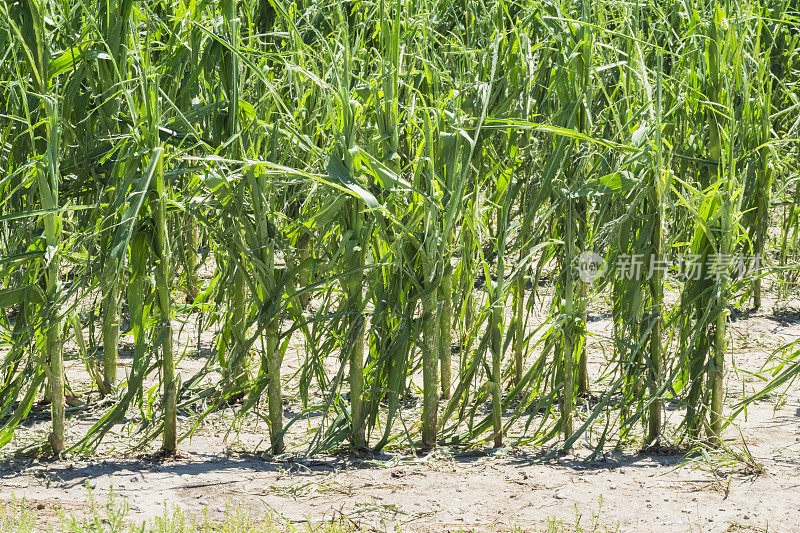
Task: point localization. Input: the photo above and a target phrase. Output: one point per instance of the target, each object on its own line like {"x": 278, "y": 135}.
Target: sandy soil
{"x": 751, "y": 485}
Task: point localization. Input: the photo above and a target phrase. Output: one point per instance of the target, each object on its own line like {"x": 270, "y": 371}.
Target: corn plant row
{"x": 352, "y": 205}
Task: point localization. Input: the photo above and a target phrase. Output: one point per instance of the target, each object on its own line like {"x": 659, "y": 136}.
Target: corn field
{"x": 383, "y": 212}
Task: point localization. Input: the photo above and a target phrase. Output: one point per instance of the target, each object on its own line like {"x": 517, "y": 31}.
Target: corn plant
{"x": 378, "y": 210}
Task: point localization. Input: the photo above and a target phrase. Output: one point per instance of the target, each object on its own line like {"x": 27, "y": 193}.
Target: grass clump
{"x": 18, "y": 516}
